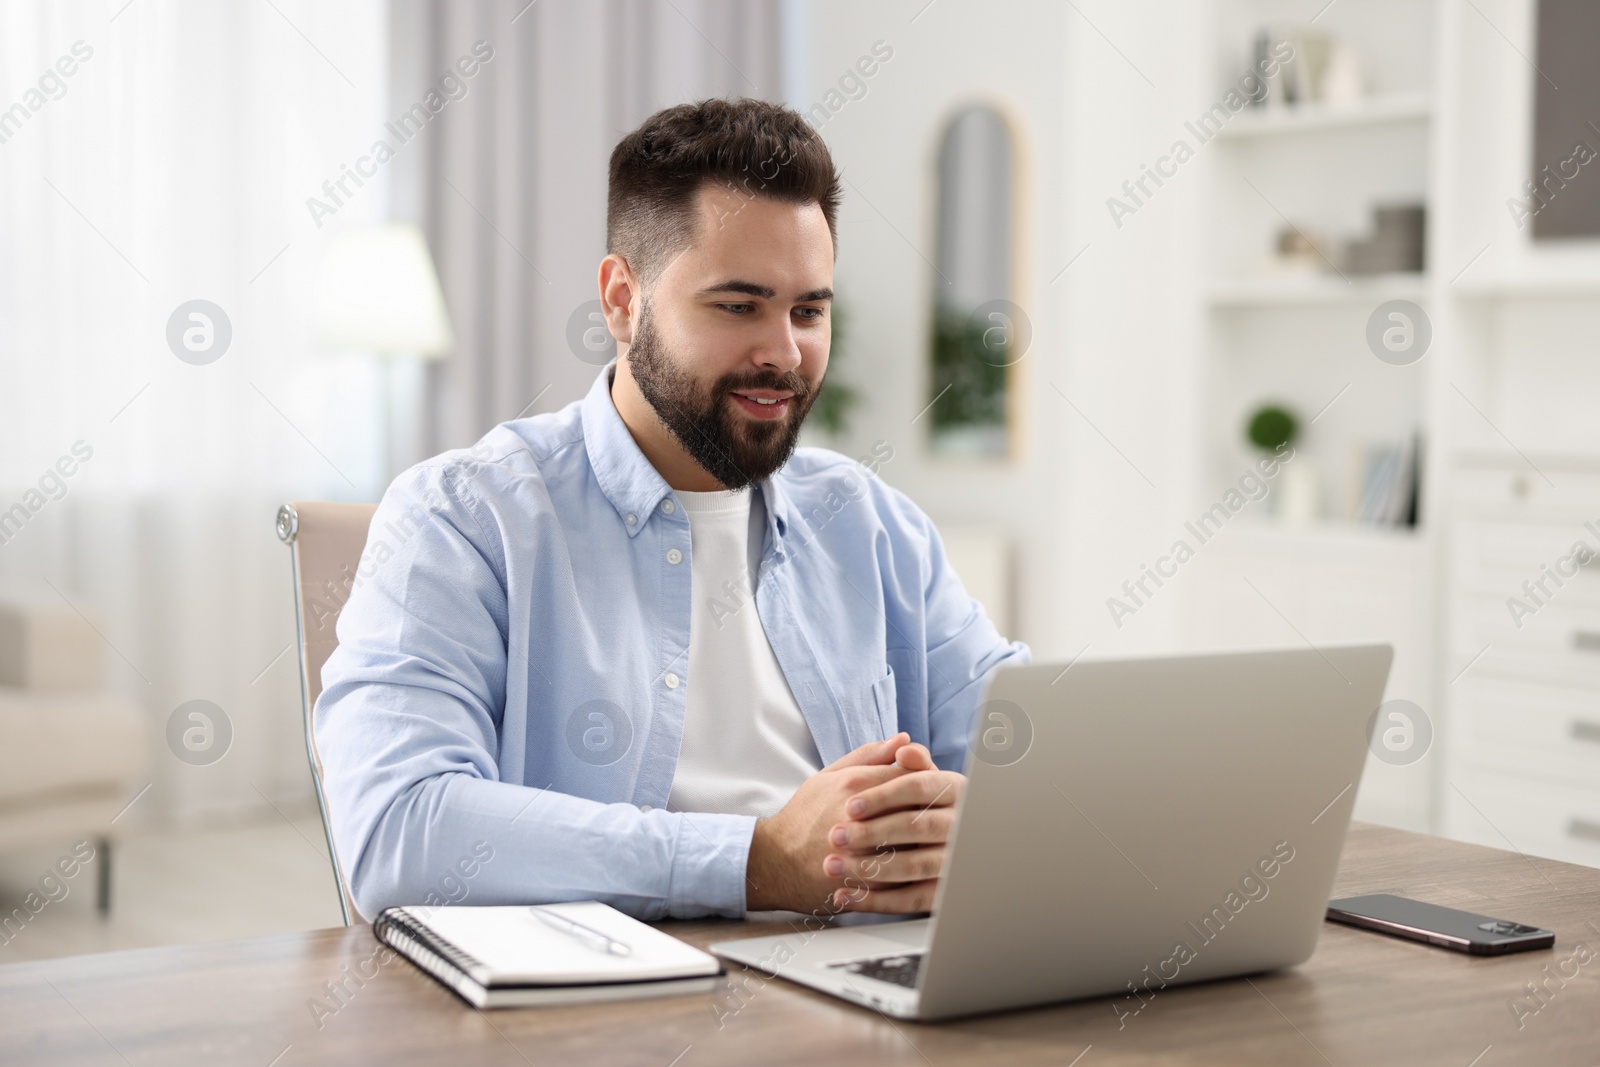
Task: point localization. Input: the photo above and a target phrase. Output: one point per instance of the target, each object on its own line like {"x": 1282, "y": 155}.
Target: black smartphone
{"x": 1461, "y": 931}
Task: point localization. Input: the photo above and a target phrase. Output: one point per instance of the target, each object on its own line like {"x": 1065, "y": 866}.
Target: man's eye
{"x": 813, "y": 314}
{"x": 737, "y": 309}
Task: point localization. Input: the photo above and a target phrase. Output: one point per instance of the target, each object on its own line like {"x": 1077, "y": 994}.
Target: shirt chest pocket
{"x": 882, "y": 702}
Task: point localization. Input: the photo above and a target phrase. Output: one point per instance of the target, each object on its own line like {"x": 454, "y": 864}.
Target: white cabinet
{"x": 1523, "y": 626}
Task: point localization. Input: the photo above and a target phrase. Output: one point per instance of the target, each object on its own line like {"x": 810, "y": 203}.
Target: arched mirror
{"x": 978, "y": 331}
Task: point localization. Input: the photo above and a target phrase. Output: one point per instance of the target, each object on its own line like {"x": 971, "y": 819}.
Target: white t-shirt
{"x": 746, "y": 746}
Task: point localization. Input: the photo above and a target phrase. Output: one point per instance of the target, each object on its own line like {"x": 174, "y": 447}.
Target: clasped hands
{"x": 865, "y": 833}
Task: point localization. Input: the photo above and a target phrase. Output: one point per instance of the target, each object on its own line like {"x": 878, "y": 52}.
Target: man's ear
{"x": 618, "y": 290}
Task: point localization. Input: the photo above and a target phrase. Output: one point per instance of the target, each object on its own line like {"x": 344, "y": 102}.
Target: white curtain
{"x": 174, "y": 164}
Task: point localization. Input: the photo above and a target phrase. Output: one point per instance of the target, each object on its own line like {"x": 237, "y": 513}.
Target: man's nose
{"x": 779, "y": 348}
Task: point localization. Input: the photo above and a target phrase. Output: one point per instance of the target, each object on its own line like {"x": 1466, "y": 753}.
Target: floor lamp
{"x": 380, "y": 293}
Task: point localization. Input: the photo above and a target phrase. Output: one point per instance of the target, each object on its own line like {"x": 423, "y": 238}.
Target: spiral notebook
{"x": 510, "y": 956}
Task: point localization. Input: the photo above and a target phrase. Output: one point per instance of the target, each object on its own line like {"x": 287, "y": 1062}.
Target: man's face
{"x": 731, "y": 345}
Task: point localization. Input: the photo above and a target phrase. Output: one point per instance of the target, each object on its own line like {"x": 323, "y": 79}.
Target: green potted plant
{"x": 1274, "y": 430}
{"x": 831, "y": 410}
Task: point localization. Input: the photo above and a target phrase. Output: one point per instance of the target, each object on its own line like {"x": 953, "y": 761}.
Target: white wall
{"x": 1093, "y": 92}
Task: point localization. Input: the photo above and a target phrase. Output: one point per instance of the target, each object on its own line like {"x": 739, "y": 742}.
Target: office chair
{"x": 325, "y": 543}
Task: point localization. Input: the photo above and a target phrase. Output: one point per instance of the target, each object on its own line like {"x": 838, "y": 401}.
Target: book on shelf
{"x": 1383, "y": 486}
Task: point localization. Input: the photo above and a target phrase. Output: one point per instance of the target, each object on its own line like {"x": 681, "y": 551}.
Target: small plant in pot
{"x": 1274, "y": 430}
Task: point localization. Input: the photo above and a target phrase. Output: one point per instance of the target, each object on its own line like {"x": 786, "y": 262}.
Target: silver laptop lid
{"x": 1148, "y": 822}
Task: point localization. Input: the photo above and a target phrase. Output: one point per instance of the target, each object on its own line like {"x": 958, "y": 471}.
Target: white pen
{"x": 587, "y": 934}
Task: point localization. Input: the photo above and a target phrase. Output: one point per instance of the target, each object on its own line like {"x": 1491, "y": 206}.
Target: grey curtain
{"x": 508, "y": 178}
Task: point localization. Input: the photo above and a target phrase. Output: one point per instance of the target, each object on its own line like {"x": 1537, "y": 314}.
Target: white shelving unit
{"x": 1521, "y": 745}
{"x": 1505, "y": 397}
{"x": 1297, "y": 338}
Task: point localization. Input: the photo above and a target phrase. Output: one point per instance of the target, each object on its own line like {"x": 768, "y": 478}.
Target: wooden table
{"x": 1362, "y": 999}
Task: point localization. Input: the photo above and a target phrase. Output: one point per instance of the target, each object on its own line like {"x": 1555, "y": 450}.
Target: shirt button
{"x": 671, "y": 680}
{"x": 674, "y": 556}
{"x": 645, "y": 807}
{"x": 632, "y": 518}
{"x": 668, "y": 506}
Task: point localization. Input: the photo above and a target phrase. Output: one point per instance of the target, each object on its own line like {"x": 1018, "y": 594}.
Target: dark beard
{"x": 734, "y": 449}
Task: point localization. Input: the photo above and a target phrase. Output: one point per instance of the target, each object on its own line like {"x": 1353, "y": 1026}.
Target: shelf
{"x": 1308, "y": 118}
{"x": 1328, "y": 539}
{"x": 1529, "y": 287}
{"x": 1347, "y": 530}
{"x": 1289, "y": 290}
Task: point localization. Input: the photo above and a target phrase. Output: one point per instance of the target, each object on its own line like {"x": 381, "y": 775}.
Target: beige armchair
{"x": 72, "y": 756}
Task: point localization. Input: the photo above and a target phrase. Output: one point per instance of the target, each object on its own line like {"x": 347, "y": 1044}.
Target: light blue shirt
{"x": 512, "y": 668}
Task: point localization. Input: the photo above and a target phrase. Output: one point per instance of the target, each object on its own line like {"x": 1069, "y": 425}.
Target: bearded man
{"x": 644, "y": 648}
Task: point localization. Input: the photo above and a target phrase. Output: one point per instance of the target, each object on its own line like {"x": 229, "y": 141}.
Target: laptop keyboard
{"x": 897, "y": 970}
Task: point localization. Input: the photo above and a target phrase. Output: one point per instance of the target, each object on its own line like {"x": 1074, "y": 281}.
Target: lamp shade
{"x": 380, "y": 292}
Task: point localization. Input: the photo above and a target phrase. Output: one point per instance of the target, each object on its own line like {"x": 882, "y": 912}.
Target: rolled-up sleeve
{"x": 407, "y": 730}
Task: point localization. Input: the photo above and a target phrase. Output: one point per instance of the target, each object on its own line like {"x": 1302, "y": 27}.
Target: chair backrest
{"x": 325, "y": 543}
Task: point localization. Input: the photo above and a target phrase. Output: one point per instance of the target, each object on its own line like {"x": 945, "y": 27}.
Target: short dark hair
{"x": 755, "y": 147}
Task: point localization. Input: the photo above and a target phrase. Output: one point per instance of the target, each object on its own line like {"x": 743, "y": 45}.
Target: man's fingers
{"x": 873, "y": 752}
{"x": 918, "y": 789}
{"x": 906, "y": 899}
{"x": 918, "y": 826}
{"x": 915, "y": 757}
{"x": 861, "y": 778}
{"x": 886, "y": 867}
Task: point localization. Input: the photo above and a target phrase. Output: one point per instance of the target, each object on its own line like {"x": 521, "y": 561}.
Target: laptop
{"x": 1128, "y": 826}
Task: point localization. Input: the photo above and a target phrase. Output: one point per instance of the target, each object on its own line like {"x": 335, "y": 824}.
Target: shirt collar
{"x": 629, "y": 480}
